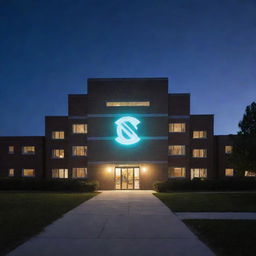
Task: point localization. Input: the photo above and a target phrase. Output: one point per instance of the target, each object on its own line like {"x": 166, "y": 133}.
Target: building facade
{"x": 125, "y": 133}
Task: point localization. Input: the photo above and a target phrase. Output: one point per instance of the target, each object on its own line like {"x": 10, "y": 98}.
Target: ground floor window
{"x": 176, "y": 172}
{"x": 28, "y": 172}
{"x": 229, "y": 172}
{"x": 79, "y": 173}
{"x": 249, "y": 174}
{"x": 198, "y": 173}
{"x": 11, "y": 172}
{"x": 60, "y": 173}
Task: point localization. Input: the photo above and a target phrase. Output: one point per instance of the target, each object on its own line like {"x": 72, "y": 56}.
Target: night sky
{"x": 48, "y": 48}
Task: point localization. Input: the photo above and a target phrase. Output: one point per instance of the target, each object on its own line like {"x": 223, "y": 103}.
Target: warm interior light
{"x": 109, "y": 169}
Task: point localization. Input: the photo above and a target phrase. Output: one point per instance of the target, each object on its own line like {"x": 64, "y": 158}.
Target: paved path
{"x": 217, "y": 215}
{"x": 116, "y": 223}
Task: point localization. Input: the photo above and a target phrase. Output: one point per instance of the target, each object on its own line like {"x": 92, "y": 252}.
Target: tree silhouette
{"x": 243, "y": 156}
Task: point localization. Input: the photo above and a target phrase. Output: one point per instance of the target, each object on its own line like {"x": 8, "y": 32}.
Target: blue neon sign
{"x": 125, "y": 130}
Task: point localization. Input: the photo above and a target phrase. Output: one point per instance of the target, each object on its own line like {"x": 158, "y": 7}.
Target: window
{"x": 11, "y": 172}
{"x": 200, "y": 153}
{"x": 198, "y": 173}
{"x": 28, "y": 150}
{"x": 60, "y": 173}
{"x": 177, "y": 127}
{"x": 58, "y": 153}
{"x": 199, "y": 134}
{"x": 28, "y": 172}
{"x": 177, "y": 172}
{"x": 228, "y": 149}
{"x": 128, "y": 104}
{"x": 176, "y": 150}
{"x": 79, "y": 128}
{"x": 79, "y": 150}
{"x": 249, "y": 174}
{"x": 79, "y": 172}
{"x": 229, "y": 172}
{"x": 11, "y": 150}
{"x": 58, "y": 135}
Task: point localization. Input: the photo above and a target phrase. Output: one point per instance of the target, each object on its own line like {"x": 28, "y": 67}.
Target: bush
{"x": 197, "y": 184}
{"x": 48, "y": 184}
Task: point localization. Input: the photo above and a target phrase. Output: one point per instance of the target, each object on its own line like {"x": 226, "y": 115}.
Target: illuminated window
{"x": 199, "y": 134}
{"x": 177, "y": 172}
{"x": 249, "y": 174}
{"x": 229, "y": 172}
{"x": 79, "y": 128}
{"x": 58, "y": 135}
{"x": 128, "y": 104}
{"x": 28, "y": 172}
{"x": 79, "y": 172}
{"x": 176, "y": 150}
{"x": 11, "y": 172}
{"x": 200, "y": 153}
{"x": 177, "y": 127}
{"x": 79, "y": 150}
{"x": 58, "y": 153}
{"x": 228, "y": 149}
{"x": 60, "y": 173}
{"x": 198, "y": 173}
{"x": 11, "y": 149}
{"x": 28, "y": 150}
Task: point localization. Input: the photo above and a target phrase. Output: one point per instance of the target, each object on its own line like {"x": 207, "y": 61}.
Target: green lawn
{"x": 209, "y": 202}
{"x": 227, "y": 237}
{"x": 23, "y": 215}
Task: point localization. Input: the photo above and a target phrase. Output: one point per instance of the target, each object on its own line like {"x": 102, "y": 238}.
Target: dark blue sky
{"x": 48, "y": 49}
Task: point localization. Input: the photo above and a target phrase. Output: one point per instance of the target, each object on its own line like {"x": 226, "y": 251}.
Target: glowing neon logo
{"x": 125, "y": 130}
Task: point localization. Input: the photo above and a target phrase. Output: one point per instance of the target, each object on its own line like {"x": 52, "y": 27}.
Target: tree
{"x": 243, "y": 156}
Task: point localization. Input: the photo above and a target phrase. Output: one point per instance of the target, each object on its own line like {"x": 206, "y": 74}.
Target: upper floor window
{"x": 28, "y": 150}
{"x": 128, "y": 104}
{"x": 79, "y": 150}
{"x": 11, "y": 150}
{"x": 79, "y": 173}
{"x": 58, "y": 135}
{"x": 176, "y": 150}
{"x": 28, "y": 172}
{"x": 199, "y": 134}
{"x": 177, "y": 172}
{"x": 198, "y": 173}
{"x": 79, "y": 128}
{"x": 229, "y": 172}
{"x": 228, "y": 149}
{"x": 60, "y": 173}
{"x": 177, "y": 127}
{"x": 11, "y": 172}
{"x": 201, "y": 153}
{"x": 58, "y": 153}
{"x": 249, "y": 174}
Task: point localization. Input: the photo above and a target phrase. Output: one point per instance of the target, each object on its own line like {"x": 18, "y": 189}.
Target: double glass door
{"x": 127, "y": 177}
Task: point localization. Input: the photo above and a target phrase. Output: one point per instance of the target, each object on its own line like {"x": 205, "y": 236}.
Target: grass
{"x": 23, "y": 215}
{"x": 227, "y": 237}
{"x": 209, "y": 202}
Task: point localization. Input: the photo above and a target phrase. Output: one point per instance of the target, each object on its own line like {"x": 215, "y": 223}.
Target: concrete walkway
{"x": 217, "y": 215}
{"x": 116, "y": 223}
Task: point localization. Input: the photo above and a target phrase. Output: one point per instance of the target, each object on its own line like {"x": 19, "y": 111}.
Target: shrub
{"x": 48, "y": 184}
{"x": 197, "y": 184}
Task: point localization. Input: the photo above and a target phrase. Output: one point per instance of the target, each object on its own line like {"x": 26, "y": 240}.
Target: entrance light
{"x": 144, "y": 169}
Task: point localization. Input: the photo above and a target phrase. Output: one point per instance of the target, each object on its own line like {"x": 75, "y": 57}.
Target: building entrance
{"x": 127, "y": 178}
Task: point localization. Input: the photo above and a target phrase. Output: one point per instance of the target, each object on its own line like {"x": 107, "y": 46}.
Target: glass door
{"x": 124, "y": 178}
{"x": 127, "y": 178}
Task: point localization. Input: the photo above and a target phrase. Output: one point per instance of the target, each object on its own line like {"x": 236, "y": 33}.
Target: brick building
{"x": 125, "y": 133}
